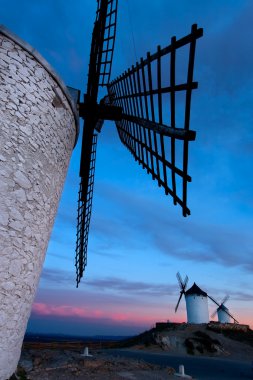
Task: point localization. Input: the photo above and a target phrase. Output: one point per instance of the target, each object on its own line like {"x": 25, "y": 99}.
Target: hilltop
{"x": 213, "y": 339}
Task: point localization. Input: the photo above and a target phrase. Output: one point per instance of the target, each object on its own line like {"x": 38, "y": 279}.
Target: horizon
{"x": 52, "y": 334}
{"x": 138, "y": 239}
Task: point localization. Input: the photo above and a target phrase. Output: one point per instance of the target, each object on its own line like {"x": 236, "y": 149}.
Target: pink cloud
{"x": 132, "y": 317}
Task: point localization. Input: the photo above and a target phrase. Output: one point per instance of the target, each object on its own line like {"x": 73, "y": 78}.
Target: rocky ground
{"x": 198, "y": 340}
{"x": 54, "y": 364}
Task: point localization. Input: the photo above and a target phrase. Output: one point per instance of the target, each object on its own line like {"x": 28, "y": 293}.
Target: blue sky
{"x": 138, "y": 239}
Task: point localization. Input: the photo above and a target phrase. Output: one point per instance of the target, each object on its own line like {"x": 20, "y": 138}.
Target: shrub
{"x": 189, "y": 346}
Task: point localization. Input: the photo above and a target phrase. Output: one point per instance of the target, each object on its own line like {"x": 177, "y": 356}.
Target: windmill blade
{"x": 105, "y": 33}
{"x": 102, "y": 47}
{"x": 101, "y": 54}
{"x": 214, "y": 313}
{"x": 181, "y": 293}
{"x": 147, "y": 94}
{"x": 212, "y": 299}
{"x": 224, "y": 299}
{"x": 180, "y": 281}
{"x": 186, "y": 281}
{"x": 84, "y": 211}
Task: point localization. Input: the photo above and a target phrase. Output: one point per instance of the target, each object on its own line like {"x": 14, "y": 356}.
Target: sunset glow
{"x": 138, "y": 239}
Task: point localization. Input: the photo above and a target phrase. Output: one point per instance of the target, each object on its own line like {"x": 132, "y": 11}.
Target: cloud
{"x": 186, "y": 239}
{"x": 102, "y": 307}
{"x": 60, "y": 256}
{"x": 56, "y": 276}
{"x": 132, "y": 287}
{"x": 229, "y": 49}
{"x": 106, "y": 297}
{"x": 142, "y": 222}
{"x": 63, "y": 311}
{"x": 118, "y": 285}
{"x": 209, "y": 243}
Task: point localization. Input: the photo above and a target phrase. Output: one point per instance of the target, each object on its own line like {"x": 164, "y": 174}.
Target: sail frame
{"x": 149, "y": 119}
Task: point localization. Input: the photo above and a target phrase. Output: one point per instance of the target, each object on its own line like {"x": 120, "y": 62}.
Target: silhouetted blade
{"x": 178, "y": 301}
{"x": 101, "y": 53}
{"x": 231, "y": 316}
{"x": 224, "y": 299}
{"x": 105, "y": 32}
{"x": 214, "y": 313}
{"x": 180, "y": 281}
{"x": 186, "y": 282}
{"x": 212, "y": 299}
{"x": 84, "y": 212}
{"x": 156, "y": 113}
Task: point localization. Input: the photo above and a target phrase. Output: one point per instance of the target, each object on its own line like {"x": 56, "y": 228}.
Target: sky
{"x": 138, "y": 239}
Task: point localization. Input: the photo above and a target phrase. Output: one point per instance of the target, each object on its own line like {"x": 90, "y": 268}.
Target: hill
{"x": 214, "y": 339}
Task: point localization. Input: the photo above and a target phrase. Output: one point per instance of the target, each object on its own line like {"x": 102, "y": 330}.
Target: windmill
{"x": 142, "y": 102}
{"x": 196, "y": 302}
{"x": 222, "y": 311}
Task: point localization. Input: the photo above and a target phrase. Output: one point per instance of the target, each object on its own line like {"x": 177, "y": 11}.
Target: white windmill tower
{"x": 196, "y": 302}
{"x": 222, "y": 311}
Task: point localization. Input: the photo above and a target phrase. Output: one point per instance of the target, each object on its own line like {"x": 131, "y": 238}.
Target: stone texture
{"x": 36, "y": 142}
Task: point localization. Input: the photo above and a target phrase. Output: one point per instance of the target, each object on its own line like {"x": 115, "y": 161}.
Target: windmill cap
{"x": 222, "y": 307}
{"x": 195, "y": 290}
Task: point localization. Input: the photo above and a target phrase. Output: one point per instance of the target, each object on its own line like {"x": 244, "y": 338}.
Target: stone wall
{"x": 217, "y": 326}
{"x": 38, "y": 130}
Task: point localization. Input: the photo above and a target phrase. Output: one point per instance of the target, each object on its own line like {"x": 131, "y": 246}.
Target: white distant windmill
{"x": 196, "y": 302}
{"x": 222, "y": 311}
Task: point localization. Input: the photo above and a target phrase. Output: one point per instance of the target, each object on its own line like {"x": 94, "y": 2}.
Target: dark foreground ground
{"x": 48, "y": 364}
{"x": 118, "y": 364}
{"x": 155, "y": 354}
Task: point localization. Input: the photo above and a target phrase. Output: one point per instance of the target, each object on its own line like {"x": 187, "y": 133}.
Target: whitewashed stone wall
{"x": 197, "y": 308}
{"x": 38, "y": 129}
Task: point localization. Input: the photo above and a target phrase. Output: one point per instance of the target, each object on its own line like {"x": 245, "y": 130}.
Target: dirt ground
{"x": 70, "y": 365}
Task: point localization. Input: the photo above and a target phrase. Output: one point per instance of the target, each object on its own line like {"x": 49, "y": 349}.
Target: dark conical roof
{"x": 222, "y": 307}
{"x": 195, "y": 290}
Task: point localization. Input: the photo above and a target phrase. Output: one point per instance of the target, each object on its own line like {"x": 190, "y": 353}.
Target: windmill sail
{"x": 101, "y": 54}
{"x": 182, "y": 285}
{"x": 145, "y": 129}
{"x": 84, "y": 215}
{"x": 107, "y": 29}
{"x": 143, "y": 106}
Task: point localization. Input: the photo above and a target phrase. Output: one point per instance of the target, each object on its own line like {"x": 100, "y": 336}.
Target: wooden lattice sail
{"x": 142, "y": 102}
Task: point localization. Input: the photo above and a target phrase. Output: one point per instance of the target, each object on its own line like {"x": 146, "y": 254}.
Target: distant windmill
{"x": 196, "y": 302}
{"x": 222, "y": 311}
{"x": 142, "y": 102}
